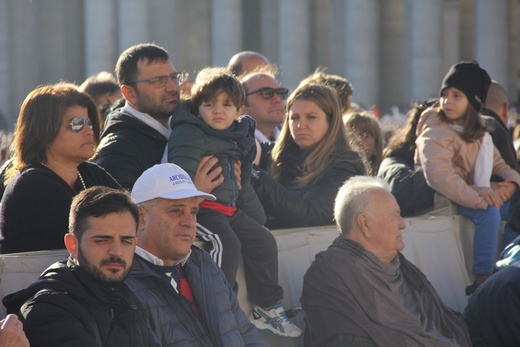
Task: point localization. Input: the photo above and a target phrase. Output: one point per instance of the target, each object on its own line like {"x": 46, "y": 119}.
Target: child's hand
{"x": 238, "y": 174}
{"x": 258, "y": 153}
{"x": 504, "y": 190}
{"x": 489, "y": 196}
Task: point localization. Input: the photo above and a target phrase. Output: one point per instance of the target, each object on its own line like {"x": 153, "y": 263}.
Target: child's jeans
{"x": 487, "y": 224}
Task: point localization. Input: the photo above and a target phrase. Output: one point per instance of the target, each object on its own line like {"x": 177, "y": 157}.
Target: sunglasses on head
{"x": 268, "y": 92}
{"x": 77, "y": 124}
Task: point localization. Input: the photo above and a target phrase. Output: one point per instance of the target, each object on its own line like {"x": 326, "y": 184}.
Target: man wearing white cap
{"x": 187, "y": 296}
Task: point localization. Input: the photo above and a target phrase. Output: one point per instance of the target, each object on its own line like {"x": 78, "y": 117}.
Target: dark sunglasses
{"x": 77, "y": 124}
{"x": 268, "y": 92}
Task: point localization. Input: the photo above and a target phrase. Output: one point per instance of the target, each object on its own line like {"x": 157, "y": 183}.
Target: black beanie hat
{"x": 471, "y": 79}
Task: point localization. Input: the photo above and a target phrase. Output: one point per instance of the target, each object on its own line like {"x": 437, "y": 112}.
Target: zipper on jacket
{"x": 232, "y": 177}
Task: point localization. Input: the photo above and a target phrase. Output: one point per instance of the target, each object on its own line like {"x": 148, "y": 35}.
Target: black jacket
{"x": 34, "y": 214}
{"x": 287, "y": 205}
{"x": 408, "y": 186}
{"x": 67, "y": 307}
{"x": 502, "y": 140}
{"x": 493, "y": 311}
{"x": 128, "y": 147}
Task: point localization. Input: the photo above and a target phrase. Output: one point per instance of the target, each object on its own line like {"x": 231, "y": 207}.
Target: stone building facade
{"x": 393, "y": 51}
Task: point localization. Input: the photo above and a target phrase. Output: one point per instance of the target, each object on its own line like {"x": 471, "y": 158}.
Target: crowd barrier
{"x": 439, "y": 243}
{"x": 19, "y": 270}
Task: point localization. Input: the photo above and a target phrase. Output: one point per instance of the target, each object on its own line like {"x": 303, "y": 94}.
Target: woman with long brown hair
{"x": 364, "y": 132}
{"x": 310, "y": 161}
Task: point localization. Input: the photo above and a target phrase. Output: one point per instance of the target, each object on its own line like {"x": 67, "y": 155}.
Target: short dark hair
{"x": 99, "y": 201}
{"x": 99, "y": 84}
{"x": 126, "y": 66}
{"x": 213, "y": 80}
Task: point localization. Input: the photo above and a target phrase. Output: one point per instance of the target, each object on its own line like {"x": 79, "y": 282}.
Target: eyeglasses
{"x": 268, "y": 92}
{"x": 77, "y": 124}
{"x": 160, "y": 81}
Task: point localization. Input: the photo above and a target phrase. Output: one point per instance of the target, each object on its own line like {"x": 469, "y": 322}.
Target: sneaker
{"x": 471, "y": 288}
{"x": 479, "y": 279}
{"x": 275, "y": 320}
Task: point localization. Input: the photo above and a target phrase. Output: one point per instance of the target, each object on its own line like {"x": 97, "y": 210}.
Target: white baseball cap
{"x": 166, "y": 181}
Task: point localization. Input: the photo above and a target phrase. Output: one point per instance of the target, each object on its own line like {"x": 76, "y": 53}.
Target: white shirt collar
{"x": 155, "y": 260}
{"x": 262, "y": 138}
{"x": 148, "y": 120}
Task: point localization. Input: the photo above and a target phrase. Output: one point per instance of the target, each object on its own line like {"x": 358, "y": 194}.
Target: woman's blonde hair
{"x": 332, "y": 146}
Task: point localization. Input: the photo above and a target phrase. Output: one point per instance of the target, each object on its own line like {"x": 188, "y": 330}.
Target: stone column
{"x": 270, "y": 35}
{"x": 24, "y": 64}
{"x": 133, "y": 23}
{"x": 392, "y": 53}
{"x": 451, "y": 32}
{"x": 193, "y": 49}
{"x": 424, "y": 50}
{"x": 338, "y": 64}
{"x": 514, "y": 52}
{"x": 226, "y": 30}
{"x": 362, "y": 18}
{"x": 492, "y": 38}
{"x": 101, "y": 49}
{"x": 294, "y": 41}
{"x": 164, "y": 23}
{"x": 5, "y": 73}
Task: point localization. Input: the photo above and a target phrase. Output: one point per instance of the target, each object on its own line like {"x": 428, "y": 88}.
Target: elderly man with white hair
{"x": 362, "y": 291}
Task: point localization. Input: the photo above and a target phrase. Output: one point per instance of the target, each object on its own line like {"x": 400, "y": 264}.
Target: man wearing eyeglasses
{"x": 265, "y": 103}
{"x": 135, "y": 136}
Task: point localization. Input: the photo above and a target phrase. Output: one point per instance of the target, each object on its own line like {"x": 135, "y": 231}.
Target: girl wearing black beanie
{"x": 458, "y": 157}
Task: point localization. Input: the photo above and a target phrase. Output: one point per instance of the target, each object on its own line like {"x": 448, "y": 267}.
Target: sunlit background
{"x": 392, "y": 51}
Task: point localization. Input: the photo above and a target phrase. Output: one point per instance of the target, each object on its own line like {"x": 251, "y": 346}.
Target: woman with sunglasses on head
{"x": 309, "y": 162}
{"x": 56, "y": 133}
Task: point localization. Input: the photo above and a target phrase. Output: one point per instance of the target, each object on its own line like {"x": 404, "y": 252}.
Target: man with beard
{"x": 84, "y": 301}
{"x": 135, "y": 135}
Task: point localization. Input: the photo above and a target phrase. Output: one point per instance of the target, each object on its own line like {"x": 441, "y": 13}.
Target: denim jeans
{"x": 487, "y": 224}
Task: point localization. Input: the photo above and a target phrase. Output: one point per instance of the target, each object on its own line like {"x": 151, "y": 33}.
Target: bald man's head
{"x": 246, "y": 61}
{"x": 496, "y": 101}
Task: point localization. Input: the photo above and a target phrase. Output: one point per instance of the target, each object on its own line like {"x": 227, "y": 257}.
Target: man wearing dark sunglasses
{"x": 265, "y": 103}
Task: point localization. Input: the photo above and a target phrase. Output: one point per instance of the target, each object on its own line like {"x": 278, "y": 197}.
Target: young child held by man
{"x": 211, "y": 124}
